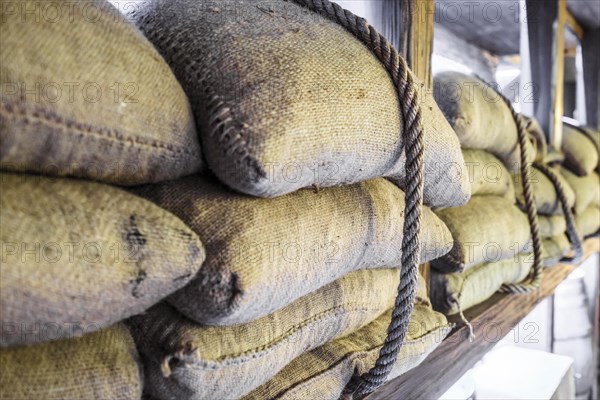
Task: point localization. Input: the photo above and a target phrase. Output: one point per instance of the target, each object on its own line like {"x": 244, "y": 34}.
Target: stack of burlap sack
{"x": 581, "y": 169}
{"x": 570, "y": 176}
{"x": 492, "y": 241}
{"x": 491, "y": 233}
{"x": 231, "y": 187}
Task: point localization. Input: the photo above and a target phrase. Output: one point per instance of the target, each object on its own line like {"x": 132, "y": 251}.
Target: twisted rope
{"x": 532, "y": 282}
{"x": 413, "y": 131}
{"x": 572, "y": 233}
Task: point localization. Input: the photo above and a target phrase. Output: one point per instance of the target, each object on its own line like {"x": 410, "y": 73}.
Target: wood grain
{"x": 492, "y": 320}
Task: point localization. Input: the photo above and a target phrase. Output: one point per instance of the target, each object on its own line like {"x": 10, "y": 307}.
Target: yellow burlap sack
{"x": 262, "y": 254}
{"x": 286, "y": 99}
{"x": 185, "y": 360}
{"x": 83, "y": 255}
{"x": 546, "y": 198}
{"x": 479, "y": 116}
{"x": 324, "y": 372}
{"x": 551, "y": 225}
{"x": 487, "y": 175}
{"x": 487, "y": 229}
{"x": 537, "y": 137}
{"x": 581, "y": 152}
{"x": 555, "y": 248}
{"x": 99, "y": 365}
{"x": 585, "y": 188}
{"x": 588, "y": 221}
{"x": 85, "y": 94}
{"x": 451, "y": 292}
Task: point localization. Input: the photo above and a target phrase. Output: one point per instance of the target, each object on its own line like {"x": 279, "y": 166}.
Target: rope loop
{"x": 572, "y": 233}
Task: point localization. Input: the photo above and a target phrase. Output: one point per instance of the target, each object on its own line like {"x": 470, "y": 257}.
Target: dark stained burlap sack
{"x": 581, "y": 153}
{"x": 286, "y": 99}
{"x": 546, "y": 198}
{"x": 537, "y": 137}
{"x": 586, "y": 189}
{"x": 185, "y": 360}
{"x": 555, "y": 248}
{"x": 487, "y": 175}
{"x": 479, "y": 116}
{"x": 82, "y": 254}
{"x": 99, "y": 365}
{"x": 452, "y": 292}
{"x": 487, "y": 229}
{"x": 551, "y": 225}
{"x": 85, "y": 94}
{"x": 324, "y": 372}
{"x": 262, "y": 254}
{"x": 588, "y": 221}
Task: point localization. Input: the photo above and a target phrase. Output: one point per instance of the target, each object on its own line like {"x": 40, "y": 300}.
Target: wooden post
{"x": 558, "y": 76}
{"x": 421, "y": 39}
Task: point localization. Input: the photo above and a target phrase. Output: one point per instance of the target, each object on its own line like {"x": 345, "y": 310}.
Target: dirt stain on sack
{"x": 136, "y": 241}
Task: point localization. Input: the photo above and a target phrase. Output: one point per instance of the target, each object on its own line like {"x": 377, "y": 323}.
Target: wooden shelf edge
{"x": 491, "y": 320}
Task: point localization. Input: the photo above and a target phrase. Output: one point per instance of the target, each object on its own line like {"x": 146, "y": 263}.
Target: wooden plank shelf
{"x": 491, "y": 320}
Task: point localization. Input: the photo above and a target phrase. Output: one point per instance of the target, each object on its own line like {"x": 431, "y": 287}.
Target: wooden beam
{"x": 574, "y": 25}
{"x": 558, "y": 77}
{"x": 492, "y": 320}
{"x": 421, "y": 39}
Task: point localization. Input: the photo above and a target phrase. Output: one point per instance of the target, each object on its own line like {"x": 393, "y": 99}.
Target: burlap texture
{"x": 262, "y": 254}
{"x": 588, "y": 221}
{"x": 537, "y": 137}
{"x": 487, "y": 175}
{"x": 100, "y": 365}
{"x": 546, "y": 198}
{"x": 185, "y": 360}
{"x": 324, "y": 372}
{"x": 79, "y": 253}
{"x": 85, "y": 94}
{"x": 286, "y": 99}
{"x": 593, "y": 134}
{"x": 581, "y": 153}
{"x": 555, "y": 248}
{"x": 469, "y": 288}
{"x": 551, "y": 225}
{"x": 586, "y": 189}
{"x": 487, "y": 229}
{"x": 479, "y": 116}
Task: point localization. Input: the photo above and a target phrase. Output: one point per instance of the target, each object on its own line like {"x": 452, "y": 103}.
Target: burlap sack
{"x": 554, "y": 248}
{"x": 546, "y": 198}
{"x": 487, "y": 229}
{"x": 448, "y": 292}
{"x": 479, "y": 116}
{"x": 185, "y": 360}
{"x": 588, "y": 222}
{"x": 581, "y": 153}
{"x": 537, "y": 137}
{"x": 99, "y": 365}
{"x": 85, "y": 94}
{"x": 82, "y": 254}
{"x": 324, "y": 372}
{"x": 586, "y": 189}
{"x": 593, "y": 134}
{"x": 285, "y": 99}
{"x": 262, "y": 254}
{"x": 487, "y": 175}
{"x": 551, "y": 225}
